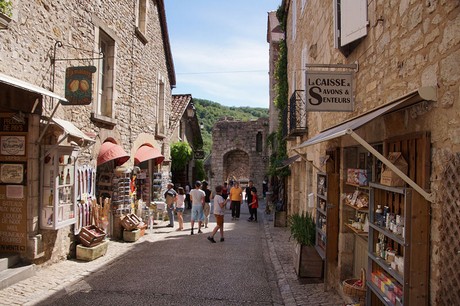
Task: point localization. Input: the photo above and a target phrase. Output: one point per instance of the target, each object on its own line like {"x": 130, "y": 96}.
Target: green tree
{"x": 181, "y": 154}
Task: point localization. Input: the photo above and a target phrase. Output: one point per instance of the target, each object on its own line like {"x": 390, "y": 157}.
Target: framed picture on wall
{"x": 13, "y": 145}
{"x": 12, "y": 173}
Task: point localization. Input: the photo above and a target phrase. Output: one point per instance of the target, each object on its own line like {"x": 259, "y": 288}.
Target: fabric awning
{"x": 147, "y": 152}
{"x": 110, "y": 151}
{"x": 29, "y": 87}
{"x": 349, "y": 127}
{"x": 422, "y": 94}
{"x": 72, "y": 131}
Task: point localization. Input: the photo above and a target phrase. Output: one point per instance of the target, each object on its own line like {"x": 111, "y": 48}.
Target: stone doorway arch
{"x": 235, "y": 165}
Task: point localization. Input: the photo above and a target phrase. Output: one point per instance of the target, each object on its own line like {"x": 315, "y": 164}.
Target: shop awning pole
{"x": 428, "y": 196}
{"x": 48, "y": 123}
{"x": 308, "y": 161}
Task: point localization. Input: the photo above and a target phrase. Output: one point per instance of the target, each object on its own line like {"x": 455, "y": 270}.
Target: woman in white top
{"x": 219, "y": 204}
{"x": 180, "y": 206}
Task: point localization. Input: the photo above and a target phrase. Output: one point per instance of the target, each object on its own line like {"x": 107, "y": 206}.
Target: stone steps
{"x": 12, "y": 270}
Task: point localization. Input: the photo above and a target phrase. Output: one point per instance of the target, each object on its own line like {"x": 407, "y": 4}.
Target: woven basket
{"x": 350, "y": 289}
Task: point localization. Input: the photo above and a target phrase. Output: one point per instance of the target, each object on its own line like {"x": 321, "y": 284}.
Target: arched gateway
{"x": 239, "y": 152}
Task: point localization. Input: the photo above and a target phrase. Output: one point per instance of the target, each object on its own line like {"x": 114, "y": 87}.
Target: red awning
{"x": 110, "y": 151}
{"x": 147, "y": 152}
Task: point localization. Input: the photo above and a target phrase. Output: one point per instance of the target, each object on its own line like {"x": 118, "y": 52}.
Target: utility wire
{"x": 222, "y": 72}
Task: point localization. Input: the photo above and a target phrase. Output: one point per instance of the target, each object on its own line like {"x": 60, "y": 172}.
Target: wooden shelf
{"x": 363, "y": 209}
{"x": 358, "y": 232}
{"x": 358, "y": 186}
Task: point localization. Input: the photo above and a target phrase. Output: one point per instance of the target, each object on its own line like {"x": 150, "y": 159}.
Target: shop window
{"x": 161, "y": 113}
{"x": 141, "y": 20}
{"x": 105, "y": 82}
{"x": 259, "y": 142}
{"x": 350, "y": 22}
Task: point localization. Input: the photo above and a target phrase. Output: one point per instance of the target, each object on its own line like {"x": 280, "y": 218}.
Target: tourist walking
{"x": 197, "y": 198}
{"x": 236, "y": 196}
{"x": 207, "y": 203}
{"x": 180, "y": 206}
{"x": 219, "y": 206}
{"x": 170, "y": 199}
{"x": 225, "y": 191}
{"x": 253, "y": 205}
{"x": 188, "y": 203}
{"x": 248, "y": 198}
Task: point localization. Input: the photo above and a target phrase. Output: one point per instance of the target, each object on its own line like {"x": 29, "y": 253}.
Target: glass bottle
{"x": 379, "y": 215}
{"x": 51, "y": 198}
{"x": 67, "y": 177}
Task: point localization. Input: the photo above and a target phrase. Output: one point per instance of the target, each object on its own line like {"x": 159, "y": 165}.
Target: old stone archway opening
{"x": 236, "y": 166}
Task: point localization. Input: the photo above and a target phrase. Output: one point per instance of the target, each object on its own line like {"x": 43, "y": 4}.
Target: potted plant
{"x": 307, "y": 261}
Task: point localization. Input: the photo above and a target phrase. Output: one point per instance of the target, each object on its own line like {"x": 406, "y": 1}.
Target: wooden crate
{"x": 91, "y": 236}
{"x": 130, "y": 222}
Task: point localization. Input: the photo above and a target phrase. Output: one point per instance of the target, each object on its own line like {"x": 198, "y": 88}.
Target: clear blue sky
{"x": 220, "y": 49}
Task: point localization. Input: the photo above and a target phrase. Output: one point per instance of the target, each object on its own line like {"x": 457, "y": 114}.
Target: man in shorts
{"x": 197, "y": 197}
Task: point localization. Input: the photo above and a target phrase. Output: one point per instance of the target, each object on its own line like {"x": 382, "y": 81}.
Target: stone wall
{"x": 234, "y": 152}
{"x": 27, "y": 48}
{"x": 409, "y": 45}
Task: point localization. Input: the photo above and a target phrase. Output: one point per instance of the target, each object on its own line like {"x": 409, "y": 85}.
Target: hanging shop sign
{"x": 78, "y": 89}
{"x": 199, "y": 154}
{"x": 329, "y": 91}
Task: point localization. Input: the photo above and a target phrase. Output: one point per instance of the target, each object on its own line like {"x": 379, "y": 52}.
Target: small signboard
{"x": 199, "y": 154}
{"x": 329, "y": 91}
{"x": 78, "y": 85}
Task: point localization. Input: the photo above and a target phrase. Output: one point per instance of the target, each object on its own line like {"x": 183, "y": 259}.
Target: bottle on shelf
{"x": 61, "y": 178}
{"x": 51, "y": 198}
{"x": 67, "y": 177}
{"x": 379, "y": 215}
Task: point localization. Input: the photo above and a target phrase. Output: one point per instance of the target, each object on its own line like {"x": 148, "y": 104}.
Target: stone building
{"x": 82, "y": 132}
{"x": 186, "y": 128}
{"x": 368, "y": 78}
{"x": 239, "y": 152}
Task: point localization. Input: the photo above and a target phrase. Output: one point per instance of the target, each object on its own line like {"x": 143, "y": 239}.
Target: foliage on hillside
{"x": 209, "y": 112}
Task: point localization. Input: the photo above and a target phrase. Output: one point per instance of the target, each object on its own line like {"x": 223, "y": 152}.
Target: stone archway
{"x": 239, "y": 149}
{"x": 236, "y": 165}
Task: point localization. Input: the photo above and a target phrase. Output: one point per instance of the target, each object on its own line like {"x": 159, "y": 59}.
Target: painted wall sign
{"x": 329, "y": 91}
{"x": 78, "y": 85}
{"x": 13, "y": 219}
{"x": 12, "y": 145}
{"x": 11, "y": 125}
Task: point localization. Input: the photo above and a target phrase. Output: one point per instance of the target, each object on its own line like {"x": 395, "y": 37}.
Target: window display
{"x": 58, "y": 196}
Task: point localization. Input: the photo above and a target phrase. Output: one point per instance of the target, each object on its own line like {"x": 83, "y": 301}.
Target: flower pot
{"x": 307, "y": 262}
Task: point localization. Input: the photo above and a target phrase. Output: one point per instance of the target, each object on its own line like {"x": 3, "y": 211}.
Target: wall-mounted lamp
{"x": 190, "y": 110}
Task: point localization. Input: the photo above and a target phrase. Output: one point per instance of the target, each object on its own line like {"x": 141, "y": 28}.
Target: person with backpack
{"x": 170, "y": 199}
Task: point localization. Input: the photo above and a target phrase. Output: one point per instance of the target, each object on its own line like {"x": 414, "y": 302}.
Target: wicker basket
{"x": 351, "y": 289}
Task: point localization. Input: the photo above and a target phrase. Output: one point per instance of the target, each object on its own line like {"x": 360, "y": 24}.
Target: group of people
{"x": 200, "y": 205}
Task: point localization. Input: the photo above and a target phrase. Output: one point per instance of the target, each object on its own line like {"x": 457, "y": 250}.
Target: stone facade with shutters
{"x": 409, "y": 45}
{"x": 143, "y": 75}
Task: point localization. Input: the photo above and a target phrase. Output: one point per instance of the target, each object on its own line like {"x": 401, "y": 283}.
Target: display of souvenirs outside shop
{"x": 379, "y": 208}
{"x": 128, "y": 191}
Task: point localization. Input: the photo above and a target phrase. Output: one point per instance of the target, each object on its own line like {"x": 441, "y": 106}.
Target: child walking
{"x": 254, "y": 204}
{"x": 219, "y": 204}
